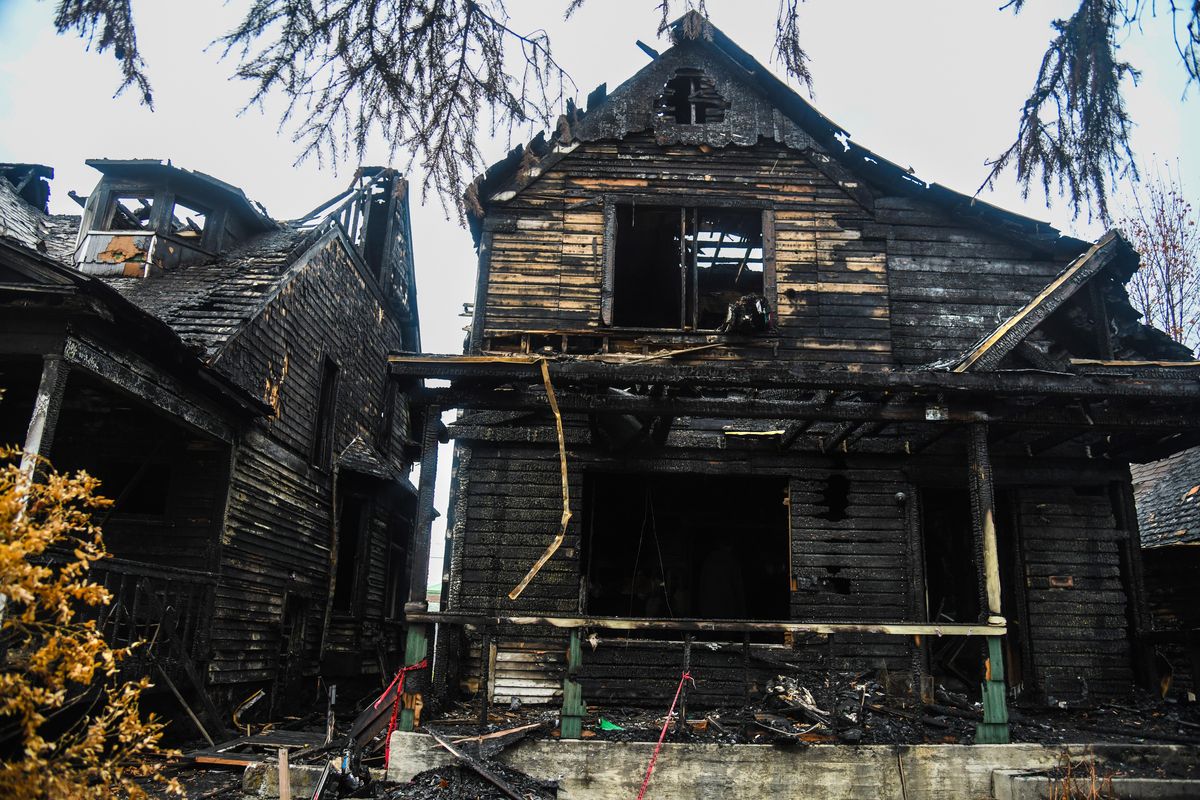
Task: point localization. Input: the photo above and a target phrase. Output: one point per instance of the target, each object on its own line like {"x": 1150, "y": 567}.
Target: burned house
{"x": 740, "y": 391}
{"x": 1168, "y": 505}
{"x": 224, "y": 375}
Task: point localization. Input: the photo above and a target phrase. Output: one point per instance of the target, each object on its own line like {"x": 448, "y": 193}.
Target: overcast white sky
{"x": 935, "y": 84}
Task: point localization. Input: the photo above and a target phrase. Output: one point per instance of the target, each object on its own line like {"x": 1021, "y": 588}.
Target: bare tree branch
{"x": 1165, "y": 229}
{"x": 1073, "y": 133}
{"x": 105, "y": 25}
{"x": 421, "y": 73}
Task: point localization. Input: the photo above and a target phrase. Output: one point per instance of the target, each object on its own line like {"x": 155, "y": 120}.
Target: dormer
{"x": 146, "y": 216}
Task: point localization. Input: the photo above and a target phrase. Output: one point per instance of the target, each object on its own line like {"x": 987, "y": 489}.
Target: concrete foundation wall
{"x": 602, "y": 770}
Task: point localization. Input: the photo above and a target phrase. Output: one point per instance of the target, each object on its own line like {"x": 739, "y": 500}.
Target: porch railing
{"x": 163, "y": 608}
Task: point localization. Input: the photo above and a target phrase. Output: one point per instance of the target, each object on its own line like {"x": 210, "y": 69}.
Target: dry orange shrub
{"x": 68, "y": 727}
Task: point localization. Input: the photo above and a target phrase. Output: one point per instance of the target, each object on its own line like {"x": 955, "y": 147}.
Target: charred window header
{"x": 691, "y": 98}
{"x": 686, "y": 268}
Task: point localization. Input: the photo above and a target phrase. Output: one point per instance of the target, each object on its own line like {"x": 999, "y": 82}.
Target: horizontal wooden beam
{"x": 847, "y": 411}
{"x": 595, "y": 372}
{"x": 716, "y": 626}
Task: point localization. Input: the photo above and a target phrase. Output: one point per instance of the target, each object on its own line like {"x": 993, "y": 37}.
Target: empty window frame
{"x": 353, "y": 518}
{"x": 133, "y": 211}
{"x": 322, "y": 448}
{"x": 686, "y": 546}
{"x": 683, "y": 267}
{"x": 188, "y": 221}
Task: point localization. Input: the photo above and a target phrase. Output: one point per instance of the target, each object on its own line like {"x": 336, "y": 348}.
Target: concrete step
{"x": 1011, "y": 784}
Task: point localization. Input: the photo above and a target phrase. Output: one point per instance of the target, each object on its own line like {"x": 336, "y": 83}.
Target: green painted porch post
{"x": 994, "y": 728}
{"x": 573, "y": 707}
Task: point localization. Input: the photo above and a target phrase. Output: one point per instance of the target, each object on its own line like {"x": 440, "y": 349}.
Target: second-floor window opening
{"x": 680, "y": 267}
{"x": 322, "y": 451}
{"x": 131, "y": 213}
{"x": 187, "y": 221}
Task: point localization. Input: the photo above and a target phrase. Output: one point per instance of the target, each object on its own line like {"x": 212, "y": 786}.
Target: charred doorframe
{"x": 608, "y": 281}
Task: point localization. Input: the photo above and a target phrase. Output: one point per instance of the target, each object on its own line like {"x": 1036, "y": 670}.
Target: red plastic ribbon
{"x": 687, "y": 676}
{"x": 399, "y": 679}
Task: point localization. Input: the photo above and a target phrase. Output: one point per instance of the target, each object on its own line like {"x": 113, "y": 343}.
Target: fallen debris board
{"x": 251, "y": 749}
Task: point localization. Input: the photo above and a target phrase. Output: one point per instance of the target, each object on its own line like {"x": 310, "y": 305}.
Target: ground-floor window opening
{"x": 686, "y": 546}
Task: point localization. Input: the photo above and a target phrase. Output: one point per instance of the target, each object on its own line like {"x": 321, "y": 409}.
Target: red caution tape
{"x": 398, "y": 682}
{"x": 663, "y": 734}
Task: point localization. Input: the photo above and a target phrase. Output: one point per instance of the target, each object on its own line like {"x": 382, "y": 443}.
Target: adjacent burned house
{"x": 1168, "y": 505}
{"x": 224, "y": 375}
{"x": 732, "y": 377}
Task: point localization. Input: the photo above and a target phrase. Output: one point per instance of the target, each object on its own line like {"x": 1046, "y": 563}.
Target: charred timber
{"x": 599, "y": 373}
{"x": 717, "y": 626}
{"x": 760, "y": 408}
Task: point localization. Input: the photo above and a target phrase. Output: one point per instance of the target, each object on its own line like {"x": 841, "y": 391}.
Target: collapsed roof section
{"x": 773, "y": 111}
{"x": 1117, "y": 336}
{"x": 204, "y": 187}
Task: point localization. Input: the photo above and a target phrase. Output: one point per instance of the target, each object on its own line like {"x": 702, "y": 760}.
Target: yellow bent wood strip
{"x": 566, "y": 498}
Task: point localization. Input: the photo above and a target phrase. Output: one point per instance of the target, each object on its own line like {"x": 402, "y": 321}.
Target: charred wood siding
{"x": 548, "y": 245}
{"x": 515, "y": 504}
{"x": 276, "y": 539}
{"x": 511, "y": 504}
{"x": 327, "y": 308}
{"x": 1174, "y": 601}
{"x": 852, "y": 564}
{"x": 279, "y": 523}
{"x": 1077, "y": 605}
{"x": 950, "y": 283}
{"x": 901, "y": 281}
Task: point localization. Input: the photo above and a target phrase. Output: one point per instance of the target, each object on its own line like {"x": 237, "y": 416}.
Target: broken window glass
{"x": 187, "y": 221}
{"x": 691, "y": 98}
{"x": 690, "y": 268}
{"x": 131, "y": 213}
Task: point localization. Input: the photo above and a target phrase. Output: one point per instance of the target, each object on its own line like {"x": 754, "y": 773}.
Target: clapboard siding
{"x": 547, "y": 249}
{"x": 901, "y": 282}
{"x": 1079, "y": 635}
{"x": 279, "y": 527}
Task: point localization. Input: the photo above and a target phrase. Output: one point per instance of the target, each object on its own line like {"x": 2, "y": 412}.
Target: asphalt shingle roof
{"x": 1168, "y": 499}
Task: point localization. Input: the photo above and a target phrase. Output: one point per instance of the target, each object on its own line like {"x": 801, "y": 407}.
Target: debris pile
{"x": 454, "y": 782}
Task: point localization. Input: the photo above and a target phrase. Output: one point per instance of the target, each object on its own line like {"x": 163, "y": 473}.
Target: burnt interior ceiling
{"x": 678, "y": 267}
{"x": 686, "y": 546}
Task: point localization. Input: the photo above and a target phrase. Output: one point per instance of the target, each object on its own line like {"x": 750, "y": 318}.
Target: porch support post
{"x": 573, "y": 707}
{"x": 416, "y": 646}
{"x": 39, "y": 436}
{"x": 994, "y": 728}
